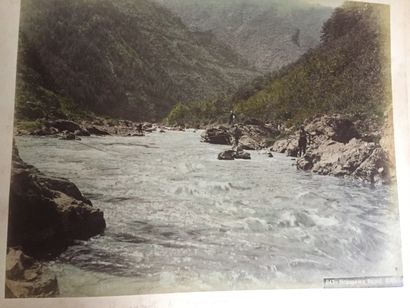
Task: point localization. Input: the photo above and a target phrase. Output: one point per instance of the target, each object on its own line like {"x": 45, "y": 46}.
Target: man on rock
{"x": 303, "y": 139}
{"x": 232, "y": 117}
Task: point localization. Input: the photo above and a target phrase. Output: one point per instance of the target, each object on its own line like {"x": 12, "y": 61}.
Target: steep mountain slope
{"x": 125, "y": 58}
{"x": 268, "y": 33}
{"x": 349, "y": 73}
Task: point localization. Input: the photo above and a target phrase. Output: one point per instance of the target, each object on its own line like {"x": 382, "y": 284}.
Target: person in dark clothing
{"x": 232, "y": 117}
{"x": 303, "y": 139}
{"x": 139, "y": 128}
{"x": 236, "y": 134}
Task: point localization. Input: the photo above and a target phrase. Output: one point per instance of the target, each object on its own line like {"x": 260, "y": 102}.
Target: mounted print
{"x": 168, "y": 146}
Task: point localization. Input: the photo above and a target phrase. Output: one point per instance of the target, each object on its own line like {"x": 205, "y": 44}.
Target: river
{"x": 180, "y": 220}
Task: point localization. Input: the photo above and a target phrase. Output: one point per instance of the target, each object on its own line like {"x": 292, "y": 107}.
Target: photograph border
{"x": 368, "y": 297}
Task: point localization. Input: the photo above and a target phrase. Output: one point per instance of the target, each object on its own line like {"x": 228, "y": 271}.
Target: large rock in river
{"x": 46, "y": 214}
{"x": 251, "y": 137}
{"x": 217, "y": 135}
{"x": 26, "y": 277}
{"x": 97, "y": 131}
{"x": 363, "y": 160}
{"x": 227, "y": 155}
{"x": 64, "y": 125}
{"x": 256, "y": 137}
{"x": 337, "y": 149}
{"x": 238, "y": 153}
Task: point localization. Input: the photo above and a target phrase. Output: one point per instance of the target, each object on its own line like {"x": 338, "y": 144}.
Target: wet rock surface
{"x": 46, "y": 214}
{"x": 26, "y": 277}
{"x": 336, "y": 148}
{"x": 217, "y": 135}
{"x": 251, "y": 136}
{"x": 65, "y": 129}
{"x": 232, "y": 154}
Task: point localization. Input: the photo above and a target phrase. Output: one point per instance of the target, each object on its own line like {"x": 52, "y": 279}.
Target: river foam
{"x": 180, "y": 220}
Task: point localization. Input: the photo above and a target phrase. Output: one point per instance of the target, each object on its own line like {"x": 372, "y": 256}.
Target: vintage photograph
{"x": 166, "y": 146}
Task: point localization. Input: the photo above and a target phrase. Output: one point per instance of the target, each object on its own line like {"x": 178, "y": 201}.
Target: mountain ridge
{"x": 349, "y": 73}
{"x": 129, "y": 59}
{"x": 268, "y": 34}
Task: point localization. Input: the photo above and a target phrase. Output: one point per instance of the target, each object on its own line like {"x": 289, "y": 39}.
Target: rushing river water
{"x": 180, "y": 220}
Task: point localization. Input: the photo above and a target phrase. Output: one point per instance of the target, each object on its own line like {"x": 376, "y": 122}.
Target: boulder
{"x": 234, "y": 154}
{"x": 26, "y": 277}
{"x": 97, "y": 131}
{"x": 45, "y": 131}
{"x": 46, "y": 214}
{"x": 136, "y": 134}
{"x": 217, "y": 135}
{"x": 256, "y": 137}
{"x": 64, "y": 125}
{"x": 362, "y": 160}
{"x": 242, "y": 155}
{"x": 227, "y": 155}
{"x": 252, "y": 136}
{"x": 336, "y": 127}
{"x": 287, "y": 146}
{"x": 82, "y": 132}
{"x": 69, "y": 136}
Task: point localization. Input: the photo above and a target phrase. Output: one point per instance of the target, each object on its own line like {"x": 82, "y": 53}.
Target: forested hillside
{"x": 267, "y": 33}
{"x": 349, "y": 72}
{"x": 124, "y": 58}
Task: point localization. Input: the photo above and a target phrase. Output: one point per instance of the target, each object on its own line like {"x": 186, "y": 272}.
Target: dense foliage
{"x": 349, "y": 72}
{"x": 123, "y": 58}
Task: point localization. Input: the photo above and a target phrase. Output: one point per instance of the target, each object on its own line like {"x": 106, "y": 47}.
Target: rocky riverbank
{"x": 72, "y": 130}
{"x": 253, "y": 135}
{"x": 46, "y": 215}
{"x": 338, "y": 146}
{"x": 342, "y": 147}
{"x": 26, "y": 277}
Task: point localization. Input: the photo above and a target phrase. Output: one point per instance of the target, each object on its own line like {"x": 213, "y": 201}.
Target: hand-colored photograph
{"x": 166, "y": 146}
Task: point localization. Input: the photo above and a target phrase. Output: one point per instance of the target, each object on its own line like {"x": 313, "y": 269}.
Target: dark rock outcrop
{"x": 337, "y": 128}
{"x": 363, "y": 160}
{"x": 69, "y": 136}
{"x": 232, "y": 154}
{"x": 252, "y": 136}
{"x": 242, "y": 155}
{"x": 26, "y": 277}
{"x": 45, "y": 131}
{"x": 217, "y": 135}
{"x": 64, "y": 125}
{"x": 257, "y": 137}
{"x": 227, "y": 155}
{"x": 336, "y": 149}
{"x": 47, "y": 213}
{"x": 97, "y": 131}
{"x": 287, "y": 146}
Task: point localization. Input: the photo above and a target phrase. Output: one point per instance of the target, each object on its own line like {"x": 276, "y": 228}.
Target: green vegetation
{"x": 197, "y": 114}
{"x": 349, "y": 72}
{"x": 28, "y": 125}
{"x": 120, "y": 58}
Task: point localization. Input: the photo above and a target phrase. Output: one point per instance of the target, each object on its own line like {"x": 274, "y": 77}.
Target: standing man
{"x": 303, "y": 135}
{"x": 236, "y": 134}
{"x": 139, "y": 128}
{"x": 232, "y": 117}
